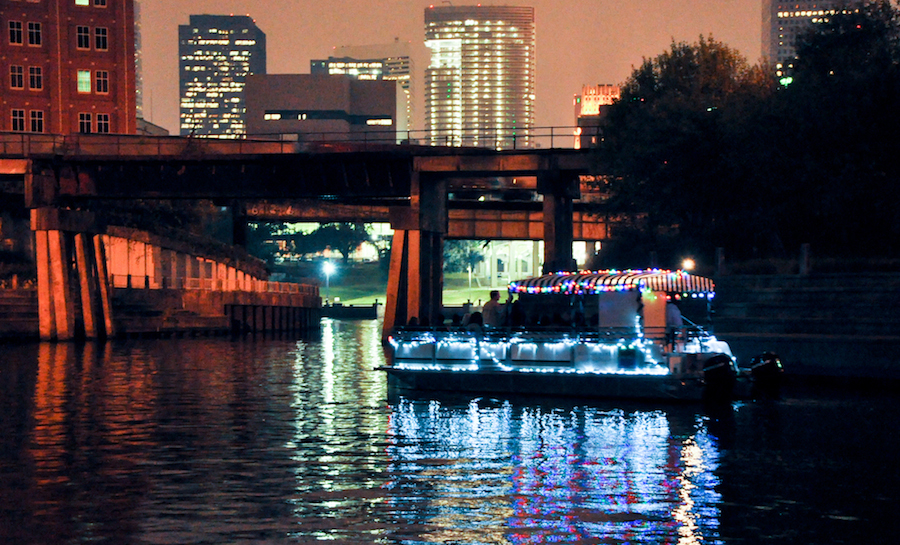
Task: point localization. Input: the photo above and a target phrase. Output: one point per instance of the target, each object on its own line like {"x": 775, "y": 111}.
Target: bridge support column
{"x": 559, "y": 195}
{"x": 416, "y": 281}
{"x": 73, "y": 288}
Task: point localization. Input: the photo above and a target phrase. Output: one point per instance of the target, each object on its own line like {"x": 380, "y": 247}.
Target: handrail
{"x": 17, "y": 144}
{"x": 208, "y": 284}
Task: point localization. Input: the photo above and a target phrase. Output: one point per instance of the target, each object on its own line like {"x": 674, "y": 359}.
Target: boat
{"x": 638, "y": 334}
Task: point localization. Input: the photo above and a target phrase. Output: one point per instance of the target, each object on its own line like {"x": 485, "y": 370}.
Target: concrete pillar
{"x": 84, "y": 264}
{"x": 63, "y": 306}
{"x": 47, "y": 323}
{"x": 104, "y": 289}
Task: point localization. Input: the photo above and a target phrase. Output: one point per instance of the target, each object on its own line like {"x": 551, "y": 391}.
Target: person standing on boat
{"x": 674, "y": 322}
{"x": 494, "y": 313}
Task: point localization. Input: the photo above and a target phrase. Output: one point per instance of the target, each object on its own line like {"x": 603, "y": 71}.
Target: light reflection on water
{"x": 285, "y": 441}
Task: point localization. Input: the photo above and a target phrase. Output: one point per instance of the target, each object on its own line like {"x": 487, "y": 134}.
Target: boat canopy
{"x": 593, "y": 282}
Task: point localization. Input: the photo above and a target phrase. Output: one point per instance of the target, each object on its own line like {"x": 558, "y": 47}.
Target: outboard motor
{"x": 719, "y": 374}
{"x": 767, "y": 373}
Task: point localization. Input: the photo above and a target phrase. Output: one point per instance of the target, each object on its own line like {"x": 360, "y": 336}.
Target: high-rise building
{"x": 479, "y": 87}
{"x": 590, "y": 109}
{"x": 68, "y": 66}
{"x": 138, "y": 62}
{"x": 784, "y": 22}
{"x": 217, "y": 53}
{"x": 389, "y": 62}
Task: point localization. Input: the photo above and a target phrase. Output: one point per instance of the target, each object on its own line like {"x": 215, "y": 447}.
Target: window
{"x": 100, "y": 3}
{"x": 35, "y": 78}
{"x": 84, "y": 123}
{"x": 84, "y": 81}
{"x": 82, "y": 37}
{"x": 34, "y": 33}
{"x": 101, "y": 41}
{"x": 103, "y": 123}
{"x": 102, "y": 82}
{"x": 15, "y": 32}
{"x": 82, "y": 2}
{"x": 37, "y": 121}
{"x": 16, "y": 77}
{"x": 18, "y": 120}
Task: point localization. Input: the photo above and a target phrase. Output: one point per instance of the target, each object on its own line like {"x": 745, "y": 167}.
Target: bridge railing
{"x": 15, "y": 144}
{"x": 251, "y": 285}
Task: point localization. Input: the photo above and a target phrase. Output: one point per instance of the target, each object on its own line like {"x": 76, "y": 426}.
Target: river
{"x": 270, "y": 441}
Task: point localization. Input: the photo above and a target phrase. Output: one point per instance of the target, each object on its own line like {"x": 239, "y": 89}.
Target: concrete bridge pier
{"x": 415, "y": 280}
{"x": 559, "y": 192}
{"x": 73, "y": 284}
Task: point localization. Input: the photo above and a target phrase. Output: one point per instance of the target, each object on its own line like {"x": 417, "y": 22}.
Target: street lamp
{"x": 688, "y": 264}
{"x": 328, "y": 269}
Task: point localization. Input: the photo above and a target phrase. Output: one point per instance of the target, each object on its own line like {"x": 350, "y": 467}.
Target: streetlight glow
{"x": 328, "y": 268}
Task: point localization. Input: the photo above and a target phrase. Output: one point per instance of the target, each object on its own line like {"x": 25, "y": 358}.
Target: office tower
{"x": 321, "y": 108}
{"x": 479, "y": 87}
{"x": 590, "y": 108}
{"x": 783, "y": 22}
{"x": 217, "y": 53}
{"x": 68, "y": 66}
{"x": 138, "y": 63}
{"x": 390, "y": 62}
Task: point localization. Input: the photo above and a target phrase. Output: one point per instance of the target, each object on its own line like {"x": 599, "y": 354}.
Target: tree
{"x": 846, "y": 132}
{"x": 344, "y": 238}
{"x": 669, "y": 145}
{"x": 460, "y": 255}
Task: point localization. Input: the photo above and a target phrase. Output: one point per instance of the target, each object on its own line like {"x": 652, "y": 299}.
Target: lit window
{"x": 35, "y": 78}
{"x": 103, "y": 123}
{"x": 272, "y": 117}
{"x": 84, "y": 81}
{"x": 34, "y": 33}
{"x": 84, "y": 123}
{"x": 82, "y": 37}
{"x": 18, "y": 120}
{"x": 101, "y": 40}
{"x": 15, "y": 33}
{"x": 16, "y": 77}
{"x": 37, "y": 120}
{"x": 102, "y": 82}
{"x": 82, "y": 2}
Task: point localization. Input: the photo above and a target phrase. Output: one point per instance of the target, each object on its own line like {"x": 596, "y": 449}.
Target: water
{"x": 214, "y": 441}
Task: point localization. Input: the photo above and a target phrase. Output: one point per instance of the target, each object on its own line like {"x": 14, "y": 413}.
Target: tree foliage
{"x": 704, "y": 150}
{"x": 344, "y": 238}
{"x": 459, "y": 255}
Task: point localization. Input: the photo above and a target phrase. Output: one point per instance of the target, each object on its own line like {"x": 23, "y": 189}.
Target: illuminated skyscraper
{"x": 479, "y": 87}
{"x": 217, "y": 53}
{"x": 783, "y": 22}
{"x": 68, "y": 66}
{"x": 389, "y": 62}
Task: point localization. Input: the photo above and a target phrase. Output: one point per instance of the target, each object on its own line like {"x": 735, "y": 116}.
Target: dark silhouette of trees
{"x": 704, "y": 150}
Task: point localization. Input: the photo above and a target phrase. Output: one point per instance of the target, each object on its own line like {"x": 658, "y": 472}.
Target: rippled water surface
{"x": 284, "y": 441}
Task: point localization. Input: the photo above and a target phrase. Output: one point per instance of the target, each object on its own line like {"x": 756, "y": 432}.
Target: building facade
{"x": 389, "y": 62}
{"x": 321, "y": 108}
{"x": 216, "y": 55}
{"x": 68, "y": 66}
{"x": 590, "y": 108}
{"x": 479, "y": 86}
{"x": 784, "y": 22}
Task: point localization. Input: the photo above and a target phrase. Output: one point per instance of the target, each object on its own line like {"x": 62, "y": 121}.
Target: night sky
{"x": 578, "y": 43}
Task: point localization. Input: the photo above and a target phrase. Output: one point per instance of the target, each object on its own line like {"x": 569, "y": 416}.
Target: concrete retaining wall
{"x": 842, "y": 325}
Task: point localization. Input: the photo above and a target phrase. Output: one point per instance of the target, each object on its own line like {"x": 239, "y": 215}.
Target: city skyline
{"x": 599, "y": 41}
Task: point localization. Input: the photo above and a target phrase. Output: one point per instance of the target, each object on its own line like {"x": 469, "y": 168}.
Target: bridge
{"x": 427, "y": 194}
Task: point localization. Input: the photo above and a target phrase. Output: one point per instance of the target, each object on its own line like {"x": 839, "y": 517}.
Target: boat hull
{"x": 583, "y": 385}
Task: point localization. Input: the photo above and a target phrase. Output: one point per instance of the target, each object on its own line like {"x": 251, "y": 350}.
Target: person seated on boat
{"x": 493, "y": 312}
{"x": 476, "y": 322}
